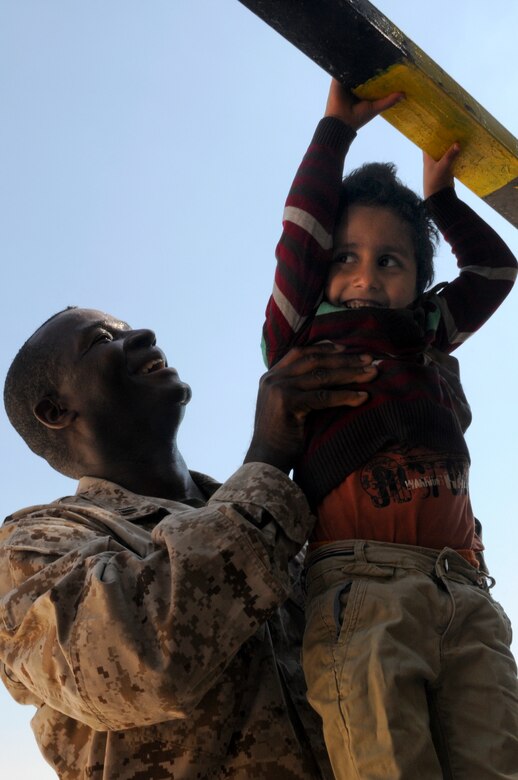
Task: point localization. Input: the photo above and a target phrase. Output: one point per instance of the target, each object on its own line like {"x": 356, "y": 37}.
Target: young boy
{"x": 406, "y": 655}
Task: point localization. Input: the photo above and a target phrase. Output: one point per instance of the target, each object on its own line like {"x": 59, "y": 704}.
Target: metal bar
{"x": 358, "y": 45}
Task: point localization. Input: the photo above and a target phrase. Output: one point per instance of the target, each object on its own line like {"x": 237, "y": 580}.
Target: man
{"x": 149, "y": 617}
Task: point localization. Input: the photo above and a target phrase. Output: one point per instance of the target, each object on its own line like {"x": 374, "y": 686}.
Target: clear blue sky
{"x": 145, "y": 153}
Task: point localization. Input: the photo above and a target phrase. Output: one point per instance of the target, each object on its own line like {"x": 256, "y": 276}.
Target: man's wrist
{"x": 259, "y": 453}
{"x": 261, "y": 490}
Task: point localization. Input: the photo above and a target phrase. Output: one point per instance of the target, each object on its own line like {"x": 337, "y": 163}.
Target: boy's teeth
{"x": 359, "y": 304}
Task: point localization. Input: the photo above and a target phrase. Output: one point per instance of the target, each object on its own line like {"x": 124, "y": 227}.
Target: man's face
{"x": 114, "y": 377}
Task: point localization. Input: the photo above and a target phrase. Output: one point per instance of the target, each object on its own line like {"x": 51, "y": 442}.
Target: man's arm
{"x": 117, "y": 639}
{"x": 119, "y": 633}
{"x": 304, "y": 250}
{"x": 487, "y": 266}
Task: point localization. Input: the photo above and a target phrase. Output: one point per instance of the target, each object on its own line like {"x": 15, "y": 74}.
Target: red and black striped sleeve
{"x": 487, "y": 266}
{"x": 304, "y": 250}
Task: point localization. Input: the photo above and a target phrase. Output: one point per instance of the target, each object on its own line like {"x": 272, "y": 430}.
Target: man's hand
{"x": 438, "y": 174}
{"x": 306, "y": 379}
{"x": 342, "y": 104}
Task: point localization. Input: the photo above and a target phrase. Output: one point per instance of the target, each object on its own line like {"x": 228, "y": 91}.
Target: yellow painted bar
{"x": 434, "y": 119}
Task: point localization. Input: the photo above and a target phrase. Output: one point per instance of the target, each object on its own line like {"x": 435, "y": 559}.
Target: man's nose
{"x": 140, "y": 338}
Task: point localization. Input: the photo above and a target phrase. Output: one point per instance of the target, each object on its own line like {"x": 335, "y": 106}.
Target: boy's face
{"x": 374, "y": 260}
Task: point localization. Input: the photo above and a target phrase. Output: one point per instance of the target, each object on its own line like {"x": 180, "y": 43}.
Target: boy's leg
{"x": 372, "y": 643}
{"x": 475, "y": 704}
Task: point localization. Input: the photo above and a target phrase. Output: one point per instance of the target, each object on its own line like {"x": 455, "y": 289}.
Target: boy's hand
{"x": 342, "y": 104}
{"x": 438, "y": 174}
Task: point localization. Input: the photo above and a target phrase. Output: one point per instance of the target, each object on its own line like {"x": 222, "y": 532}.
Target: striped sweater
{"x": 417, "y": 398}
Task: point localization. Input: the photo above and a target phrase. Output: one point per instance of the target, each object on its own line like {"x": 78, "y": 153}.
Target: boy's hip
{"x": 330, "y": 565}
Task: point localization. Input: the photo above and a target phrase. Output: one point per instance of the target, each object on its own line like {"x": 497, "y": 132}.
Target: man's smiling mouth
{"x": 156, "y": 364}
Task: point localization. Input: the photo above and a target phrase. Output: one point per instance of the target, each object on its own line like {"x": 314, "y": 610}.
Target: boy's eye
{"x": 387, "y": 261}
{"x": 344, "y": 258}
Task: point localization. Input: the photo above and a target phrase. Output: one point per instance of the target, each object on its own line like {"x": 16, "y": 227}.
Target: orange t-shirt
{"x": 406, "y": 496}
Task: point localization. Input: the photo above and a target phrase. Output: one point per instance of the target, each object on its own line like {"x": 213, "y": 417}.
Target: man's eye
{"x": 104, "y": 336}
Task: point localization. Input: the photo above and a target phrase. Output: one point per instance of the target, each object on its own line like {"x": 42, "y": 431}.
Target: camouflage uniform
{"x": 148, "y": 633}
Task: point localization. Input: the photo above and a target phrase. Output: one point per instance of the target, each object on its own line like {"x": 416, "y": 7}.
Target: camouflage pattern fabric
{"x": 159, "y": 639}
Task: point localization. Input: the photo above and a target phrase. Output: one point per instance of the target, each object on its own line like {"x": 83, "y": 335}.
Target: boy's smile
{"x": 373, "y": 260}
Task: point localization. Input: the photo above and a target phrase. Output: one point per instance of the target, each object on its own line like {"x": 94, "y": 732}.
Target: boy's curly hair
{"x": 376, "y": 184}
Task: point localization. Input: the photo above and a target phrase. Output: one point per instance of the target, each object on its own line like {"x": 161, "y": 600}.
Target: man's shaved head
{"x": 36, "y": 372}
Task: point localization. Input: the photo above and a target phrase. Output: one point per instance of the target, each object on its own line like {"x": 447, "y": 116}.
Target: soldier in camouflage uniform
{"x": 152, "y": 618}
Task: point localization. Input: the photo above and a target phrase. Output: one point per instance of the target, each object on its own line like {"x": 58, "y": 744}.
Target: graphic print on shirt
{"x": 396, "y": 477}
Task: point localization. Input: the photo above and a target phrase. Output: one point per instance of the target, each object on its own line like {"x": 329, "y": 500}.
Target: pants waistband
{"x": 442, "y": 563}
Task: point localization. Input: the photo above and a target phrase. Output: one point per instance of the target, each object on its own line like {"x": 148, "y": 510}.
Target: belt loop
{"x": 441, "y": 566}
{"x": 359, "y": 550}
{"x": 486, "y": 581}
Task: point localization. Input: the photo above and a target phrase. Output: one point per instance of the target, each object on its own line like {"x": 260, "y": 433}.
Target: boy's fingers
{"x": 448, "y": 157}
{"x": 438, "y": 174}
{"x": 382, "y": 104}
{"x": 365, "y": 110}
{"x": 451, "y": 153}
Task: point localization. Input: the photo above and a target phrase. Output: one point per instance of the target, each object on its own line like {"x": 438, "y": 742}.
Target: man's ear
{"x": 51, "y": 414}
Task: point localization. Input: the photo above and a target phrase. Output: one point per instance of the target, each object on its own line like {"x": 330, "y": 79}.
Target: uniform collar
{"x": 116, "y": 498}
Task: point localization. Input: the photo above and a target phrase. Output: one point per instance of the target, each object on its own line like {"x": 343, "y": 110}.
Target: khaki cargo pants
{"x": 407, "y": 661}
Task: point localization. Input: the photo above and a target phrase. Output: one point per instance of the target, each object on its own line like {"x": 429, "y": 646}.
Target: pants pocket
{"x": 347, "y": 604}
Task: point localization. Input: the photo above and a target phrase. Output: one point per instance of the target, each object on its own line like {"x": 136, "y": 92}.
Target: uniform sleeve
{"x": 487, "y": 269}
{"x": 116, "y": 639}
{"x": 304, "y": 250}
